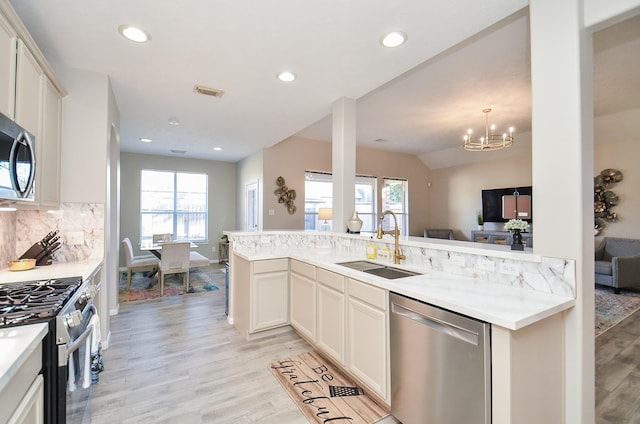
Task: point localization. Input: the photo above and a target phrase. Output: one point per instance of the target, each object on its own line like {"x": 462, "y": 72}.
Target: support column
{"x": 562, "y": 153}
{"x": 343, "y": 152}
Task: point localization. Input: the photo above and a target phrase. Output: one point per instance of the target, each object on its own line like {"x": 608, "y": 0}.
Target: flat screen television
{"x": 502, "y": 204}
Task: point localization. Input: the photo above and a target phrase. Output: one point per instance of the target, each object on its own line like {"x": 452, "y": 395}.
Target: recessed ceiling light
{"x": 217, "y": 149}
{"x": 393, "y": 39}
{"x": 286, "y": 76}
{"x": 145, "y": 140}
{"x": 174, "y": 121}
{"x": 134, "y": 33}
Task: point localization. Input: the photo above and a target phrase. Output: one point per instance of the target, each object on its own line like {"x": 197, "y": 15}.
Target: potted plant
{"x": 480, "y": 221}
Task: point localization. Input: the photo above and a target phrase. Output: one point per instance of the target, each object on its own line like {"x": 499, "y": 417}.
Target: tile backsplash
{"x": 19, "y": 230}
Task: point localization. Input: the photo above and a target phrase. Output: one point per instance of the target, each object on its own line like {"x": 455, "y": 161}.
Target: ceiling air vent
{"x": 208, "y": 91}
{"x": 180, "y": 152}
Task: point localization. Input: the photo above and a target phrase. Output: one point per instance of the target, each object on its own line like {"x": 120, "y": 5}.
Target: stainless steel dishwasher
{"x": 440, "y": 365}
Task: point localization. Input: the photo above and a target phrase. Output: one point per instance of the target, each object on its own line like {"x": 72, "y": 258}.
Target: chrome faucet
{"x": 397, "y": 255}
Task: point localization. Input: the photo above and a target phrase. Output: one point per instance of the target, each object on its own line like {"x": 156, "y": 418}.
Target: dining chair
{"x": 139, "y": 263}
{"x": 175, "y": 260}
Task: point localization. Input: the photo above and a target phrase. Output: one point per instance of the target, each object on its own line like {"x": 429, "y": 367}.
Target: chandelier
{"x": 490, "y": 140}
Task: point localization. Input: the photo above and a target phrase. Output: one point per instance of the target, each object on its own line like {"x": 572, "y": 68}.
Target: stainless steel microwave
{"x": 17, "y": 162}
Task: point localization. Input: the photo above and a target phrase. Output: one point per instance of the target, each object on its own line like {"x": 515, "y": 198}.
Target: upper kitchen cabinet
{"x": 8, "y": 43}
{"x": 31, "y": 94}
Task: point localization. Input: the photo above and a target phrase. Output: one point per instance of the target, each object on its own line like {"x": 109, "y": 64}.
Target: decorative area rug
{"x": 612, "y": 308}
{"x": 143, "y": 287}
{"x": 323, "y": 393}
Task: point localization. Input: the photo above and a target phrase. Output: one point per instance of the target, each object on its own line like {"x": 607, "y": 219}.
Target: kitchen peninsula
{"x": 286, "y": 278}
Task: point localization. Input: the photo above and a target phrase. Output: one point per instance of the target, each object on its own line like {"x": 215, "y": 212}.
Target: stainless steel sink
{"x": 379, "y": 270}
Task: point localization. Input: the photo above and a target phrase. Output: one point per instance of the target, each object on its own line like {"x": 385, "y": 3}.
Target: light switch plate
{"x": 509, "y": 269}
{"x": 75, "y": 238}
{"x": 486, "y": 264}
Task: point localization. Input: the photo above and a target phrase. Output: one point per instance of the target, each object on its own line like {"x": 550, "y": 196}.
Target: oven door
{"x": 74, "y": 375}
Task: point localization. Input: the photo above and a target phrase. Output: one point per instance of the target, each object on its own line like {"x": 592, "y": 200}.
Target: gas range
{"x": 35, "y": 301}
{"x": 66, "y": 305}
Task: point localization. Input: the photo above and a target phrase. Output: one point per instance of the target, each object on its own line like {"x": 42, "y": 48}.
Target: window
{"x": 318, "y": 189}
{"x": 366, "y": 202}
{"x": 173, "y": 202}
{"x": 318, "y": 193}
{"x": 395, "y": 199}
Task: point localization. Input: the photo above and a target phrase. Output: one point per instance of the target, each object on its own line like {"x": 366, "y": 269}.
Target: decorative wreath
{"x": 605, "y": 199}
{"x": 285, "y": 195}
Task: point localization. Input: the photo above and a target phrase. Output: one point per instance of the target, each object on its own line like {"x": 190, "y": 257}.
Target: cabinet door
{"x": 270, "y": 300}
{"x": 303, "y": 305}
{"x": 29, "y": 77}
{"x": 8, "y": 42}
{"x": 366, "y": 345}
{"x": 48, "y": 148}
{"x": 331, "y": 322}
{"x": 31, "y": 408}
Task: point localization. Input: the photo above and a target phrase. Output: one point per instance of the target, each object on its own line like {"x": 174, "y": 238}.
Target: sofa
{"x": 618, "y": 263}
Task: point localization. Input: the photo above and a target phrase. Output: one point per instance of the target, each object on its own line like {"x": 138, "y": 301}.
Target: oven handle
{"x": 73, "y": 346}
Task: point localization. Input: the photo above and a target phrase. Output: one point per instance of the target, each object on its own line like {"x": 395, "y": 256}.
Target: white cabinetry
{"x": 331, "y": 315}
{"x": 22, "y": 399}
{"x": 48, "y": 147}
{"x": 31, "y": 408}
{"x": 269, "y": 294}
{"x": 8, "y": 40}
{"x": 261, "y": 294}
{"x": 303, "y": 299}
{"x": 368, "y": 335}
{"x": 30, "y": 94}
{"x": 29, "y": 78}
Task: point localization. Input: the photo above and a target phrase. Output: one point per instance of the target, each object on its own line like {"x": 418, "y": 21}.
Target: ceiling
{"x": 461, "y": 56}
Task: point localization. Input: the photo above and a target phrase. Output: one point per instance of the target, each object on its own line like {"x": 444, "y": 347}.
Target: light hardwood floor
{"x": 176, "y": 360}
{"x": 618, "y": 373}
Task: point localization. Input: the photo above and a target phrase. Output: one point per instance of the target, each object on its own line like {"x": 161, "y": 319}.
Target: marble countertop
{"x": 56, "y": 270}
{"x": 507, "y": 306}
{"x": 16, "y": 344}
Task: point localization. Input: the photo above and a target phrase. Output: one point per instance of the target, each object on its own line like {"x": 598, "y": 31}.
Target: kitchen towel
{"x": 97, "y": 365}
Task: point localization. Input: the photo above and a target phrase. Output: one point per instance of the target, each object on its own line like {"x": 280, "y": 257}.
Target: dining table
{"x": 156, "y": 248}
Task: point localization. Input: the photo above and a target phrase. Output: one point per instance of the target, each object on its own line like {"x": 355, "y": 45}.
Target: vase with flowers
{"x": 516, "y": 226}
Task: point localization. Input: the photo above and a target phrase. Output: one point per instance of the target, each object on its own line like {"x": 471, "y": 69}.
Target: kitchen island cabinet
{"x": 263, "y": 295}
{"x": 331, "y": 315}
{"x": 527, "y": 319}
{"x": 303, "y": 299}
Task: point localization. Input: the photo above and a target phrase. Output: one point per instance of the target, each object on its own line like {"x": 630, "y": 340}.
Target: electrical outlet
{"x": 509, "y": 269}
{"x": 75, "y": 238}
{"x": 486, "y": 264}
{"x": 213, "y": 249}
{"x": 457, "y": 260}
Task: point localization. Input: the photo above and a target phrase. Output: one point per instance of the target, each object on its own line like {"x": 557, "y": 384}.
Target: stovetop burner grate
{"x": 34, "y": 301}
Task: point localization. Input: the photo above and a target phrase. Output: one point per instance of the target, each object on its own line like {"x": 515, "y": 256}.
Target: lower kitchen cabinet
{"x": 31, "y": 408}
{"x": 368, "y": 335}
{"x": 331, "y": 315}
{"x": 270, "y": 294}
{"x": 303, "y": 299}
{"x": 261, "y": 294}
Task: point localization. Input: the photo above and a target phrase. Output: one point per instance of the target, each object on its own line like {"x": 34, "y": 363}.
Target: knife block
{"x": 38, "y": 253}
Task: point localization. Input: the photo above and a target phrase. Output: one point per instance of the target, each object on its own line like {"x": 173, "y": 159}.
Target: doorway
{"x": 252, "y": 210}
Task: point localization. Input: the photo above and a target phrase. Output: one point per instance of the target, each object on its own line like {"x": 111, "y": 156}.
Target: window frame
{"x": 175, "y": 212}
{"x": 403, "y": 215}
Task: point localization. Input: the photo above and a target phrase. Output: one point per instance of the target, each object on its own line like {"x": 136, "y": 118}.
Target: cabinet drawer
{"x": 303, "y": 268}
{"x": 270, "y": 265}
{"x": 372, "y": 295}
{"x": 331, "y": 279}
